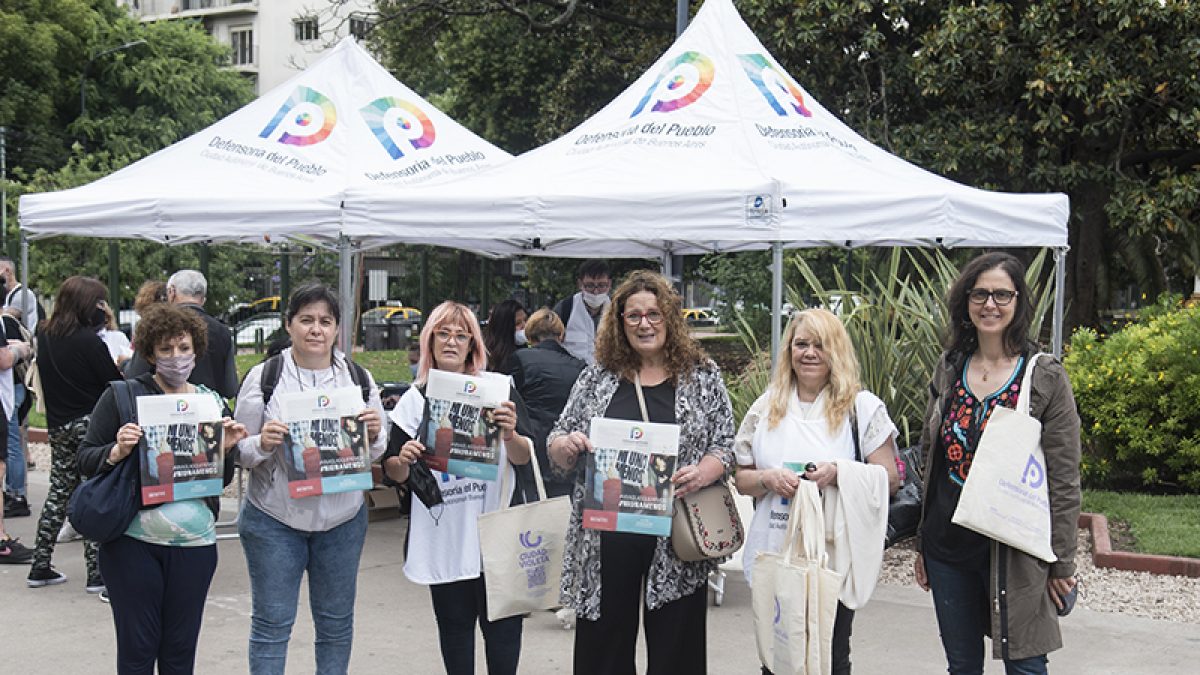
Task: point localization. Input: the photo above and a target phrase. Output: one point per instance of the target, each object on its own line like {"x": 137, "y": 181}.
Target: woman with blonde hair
{"x": 642, "y": 346}
{"x": 442, "y": 546}
{"x": 815, "y": 422}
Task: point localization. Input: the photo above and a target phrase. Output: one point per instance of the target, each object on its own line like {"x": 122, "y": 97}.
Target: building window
{"x": 242, "y": 41}
{"x": 306, "y": 29}
{"x": 360, "y": 26}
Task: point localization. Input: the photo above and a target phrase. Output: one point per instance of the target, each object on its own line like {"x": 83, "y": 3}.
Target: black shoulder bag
{"x": 103, "y": 506}
{"x": 904, "y": 508}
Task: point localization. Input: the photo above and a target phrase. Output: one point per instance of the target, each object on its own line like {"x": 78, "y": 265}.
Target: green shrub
{"x": 1137, "y": 392}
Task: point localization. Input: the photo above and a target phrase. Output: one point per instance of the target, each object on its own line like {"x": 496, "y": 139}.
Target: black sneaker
{"x": 15, "y": 506}
{"x": 95, "y": 583}
{"x": 13, "y": 552}
{"x": 44, "y": 576}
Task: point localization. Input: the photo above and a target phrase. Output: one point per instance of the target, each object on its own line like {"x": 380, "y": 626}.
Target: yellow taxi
{"x": 699, "y": 316}
{"x": 382, "y": 314}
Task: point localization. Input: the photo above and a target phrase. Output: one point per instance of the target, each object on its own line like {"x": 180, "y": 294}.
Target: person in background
{"x": 19, "y": 301}
{"x": 284, "y": 537}
{"x": 20, "y": 306}
{"x": 75, "y": 369}
{"x": 158, "y": 572}
{"x": 504, "y": 333}
{"x": 809, "y": 415}
{"x": 644, "y": 344}
{"x": 16, "y": 503}
{"x": 215, "y": 368}
{"x": 442, "y": 547}
{"x": 581, "y": 312}
{"x": 980, "y": 586}
{"x": 148, "y": 293}
{"x": 544, "y": 375}
{"x": 12, "y": 551}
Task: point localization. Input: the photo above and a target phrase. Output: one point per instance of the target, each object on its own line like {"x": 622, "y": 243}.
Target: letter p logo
{"x": 396, "y": 122}
{"x": 1035, "y": 473}
{"x": 307, "y": 117}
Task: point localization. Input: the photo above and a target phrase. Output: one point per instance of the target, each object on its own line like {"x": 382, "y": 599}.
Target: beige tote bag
{"x": 795, "y": 594}
{"x": 1005, "y": 495}
{"x": 522, "y": 549}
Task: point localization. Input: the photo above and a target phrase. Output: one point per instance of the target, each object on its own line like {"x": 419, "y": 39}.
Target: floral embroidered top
{"x": 962, "y": 426}
{"x": 705, "y": 418}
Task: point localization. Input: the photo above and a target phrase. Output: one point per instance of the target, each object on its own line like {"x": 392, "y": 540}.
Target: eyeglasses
{"x": 1001, "y": 296}
{"x": 598, "y": 287}
{"x": 447, "y": 336}
{"x": 634, "y": 319}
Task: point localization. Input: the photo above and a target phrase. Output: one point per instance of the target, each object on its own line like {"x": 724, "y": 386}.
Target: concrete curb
{"x": 1104, "y": 556}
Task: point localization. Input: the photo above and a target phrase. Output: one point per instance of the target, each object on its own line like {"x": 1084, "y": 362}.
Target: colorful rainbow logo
{"x": 323, "y": 401}
{"x": 181, "y": 406}
{"x": 636, "y": 433}
{"x": 408, "y": 118}
{"x": 301, "y": 128}
{"x": 469, "y": 387}
{"x": 756, "y": 66}
{"x": 677, "y": 79}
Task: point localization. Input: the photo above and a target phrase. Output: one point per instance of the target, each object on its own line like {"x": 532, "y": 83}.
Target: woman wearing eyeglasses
{"x": 980, "y": 586}
{"x": 642, "y": 342}
{"x": 442, "y": 546}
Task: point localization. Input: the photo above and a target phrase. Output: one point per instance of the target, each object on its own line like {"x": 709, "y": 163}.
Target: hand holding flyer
{"x": 457, "y": 430}
{"x": 182, "y": 447}
{"x": 628, "y": 485}
{"x": 325, "y": 449}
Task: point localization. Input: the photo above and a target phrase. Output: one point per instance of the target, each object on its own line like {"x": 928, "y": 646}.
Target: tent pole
{"x": 346, "y": 292}
{"x": 776, "y": 298}
{"x": 666, "y": 264}
{"x": 681, "y": 17}
{"x": 1060, "y": 298}
{"x": 24, "y": 260}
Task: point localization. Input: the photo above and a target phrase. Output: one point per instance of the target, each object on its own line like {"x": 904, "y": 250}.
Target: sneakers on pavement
{"x": 104, "y": 597}
{"x": 15, "y": 506}
{"x": 44, "y": 576}
{"x": 13, "y": 552}
{"x": 95, "y": 583}
{"x": 68, "y": 533}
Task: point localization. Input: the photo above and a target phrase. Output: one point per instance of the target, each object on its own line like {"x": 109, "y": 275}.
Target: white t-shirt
{"x": 443, "y": 543}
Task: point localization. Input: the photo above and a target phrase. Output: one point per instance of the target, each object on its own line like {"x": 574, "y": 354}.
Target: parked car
{"x": 699, "y": 316}
{"x": 242, "y": 311}
{"x": 386, "y": 312}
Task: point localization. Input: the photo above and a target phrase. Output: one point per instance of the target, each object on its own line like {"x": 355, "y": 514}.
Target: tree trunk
{"x": 1088, "y": 227}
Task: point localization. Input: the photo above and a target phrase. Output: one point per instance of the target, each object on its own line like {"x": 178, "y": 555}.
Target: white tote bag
{"x": 795, "y": 594}
{"x": 522, "y": 549}
{"x": 1005, "y": 495}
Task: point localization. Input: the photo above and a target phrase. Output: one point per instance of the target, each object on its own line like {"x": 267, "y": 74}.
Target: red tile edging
{"x": 1104, "y": 556}
{"x": 38, "y": 435}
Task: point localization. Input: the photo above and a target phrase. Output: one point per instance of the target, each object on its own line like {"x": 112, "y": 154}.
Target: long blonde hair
{"x": 843, "y": 383}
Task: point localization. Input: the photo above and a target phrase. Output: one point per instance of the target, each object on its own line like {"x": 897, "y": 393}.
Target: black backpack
{"x": 273, "y": 368}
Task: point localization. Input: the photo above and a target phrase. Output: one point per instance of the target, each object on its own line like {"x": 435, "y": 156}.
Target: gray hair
{"x": 188, "y": 282}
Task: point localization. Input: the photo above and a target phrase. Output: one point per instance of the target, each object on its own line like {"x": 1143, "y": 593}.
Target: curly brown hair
{"x": 613, "y": 350}
{"x": 161, "y": 322}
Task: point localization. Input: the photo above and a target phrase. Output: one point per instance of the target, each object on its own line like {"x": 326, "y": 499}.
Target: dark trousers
{"x": 157, "y": 596}
{"x": 676, "y": 640}
{"x": 457, "y": 606}
{"x": 841, "y": 641}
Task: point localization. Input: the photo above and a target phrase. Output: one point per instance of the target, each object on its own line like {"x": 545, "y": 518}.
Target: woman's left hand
{"x": 824, "y": 475}
{"x": 689, "y": 479}
{"x": 505, "y": 417}
{"x": 373, "y": 421}
{"x": 1058, "y": 589}
{"x": 234, "y": 432}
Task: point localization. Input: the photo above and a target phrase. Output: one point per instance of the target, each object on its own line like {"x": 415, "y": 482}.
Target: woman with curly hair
{"x": 643, "y": 343}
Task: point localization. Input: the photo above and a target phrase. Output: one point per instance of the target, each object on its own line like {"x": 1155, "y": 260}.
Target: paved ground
{"x": 61, "y": 629}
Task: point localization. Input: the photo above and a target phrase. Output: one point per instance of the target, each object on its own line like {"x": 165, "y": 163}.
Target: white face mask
{"x": 595, "y": 300}
{"x": 519, "y": 336}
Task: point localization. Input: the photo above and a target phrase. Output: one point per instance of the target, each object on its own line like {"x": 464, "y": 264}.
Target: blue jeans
{"x": 277, "y": 557}
{"x": 14, "y": 481}
{"x": 961, "y": 602}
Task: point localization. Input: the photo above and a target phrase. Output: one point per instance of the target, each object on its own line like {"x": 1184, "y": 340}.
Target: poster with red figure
{"x": 627, "y": 485}
{"x": 325, "y": 449}
{"x": 456, "y": 427}
{"x": 181, "y": 447}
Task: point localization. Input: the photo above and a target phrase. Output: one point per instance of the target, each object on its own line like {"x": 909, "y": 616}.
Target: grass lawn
{"x": 1163, "y": 524}
{"x": 385, "y": 366}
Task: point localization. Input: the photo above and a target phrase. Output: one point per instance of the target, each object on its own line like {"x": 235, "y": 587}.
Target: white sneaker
{"x": 68, "y": 533}
{"x": 566, "y": 617}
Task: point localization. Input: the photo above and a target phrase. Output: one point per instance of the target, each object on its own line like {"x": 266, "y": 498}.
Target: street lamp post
{"x": 114, "y": 248}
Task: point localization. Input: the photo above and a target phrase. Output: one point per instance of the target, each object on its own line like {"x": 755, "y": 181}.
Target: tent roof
{"x": 278, "y": 166}
{"x": 714, "y": 148}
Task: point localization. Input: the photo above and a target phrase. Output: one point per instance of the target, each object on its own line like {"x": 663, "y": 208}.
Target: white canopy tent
{"x": 715, "y": 148}
{"x": 277, "y": 168}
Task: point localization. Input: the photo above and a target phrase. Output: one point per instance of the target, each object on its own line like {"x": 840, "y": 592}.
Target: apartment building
{"x": 270, "y": 40}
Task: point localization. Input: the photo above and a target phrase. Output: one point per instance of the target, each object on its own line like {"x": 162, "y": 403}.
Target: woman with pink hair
{"x": 442, "y": 547}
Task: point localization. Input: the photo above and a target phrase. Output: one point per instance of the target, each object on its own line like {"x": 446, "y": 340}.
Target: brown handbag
{"x": 706, "y": 524}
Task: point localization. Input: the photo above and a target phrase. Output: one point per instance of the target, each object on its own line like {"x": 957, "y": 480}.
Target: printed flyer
{"x": 457, "y": 429}
{"x": 325, "y": 449}
{"x": 181, "y": 446}
{"x": 628, "y": 485}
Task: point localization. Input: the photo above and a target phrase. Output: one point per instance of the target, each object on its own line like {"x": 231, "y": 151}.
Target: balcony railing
{"x": 163, "y": 9}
